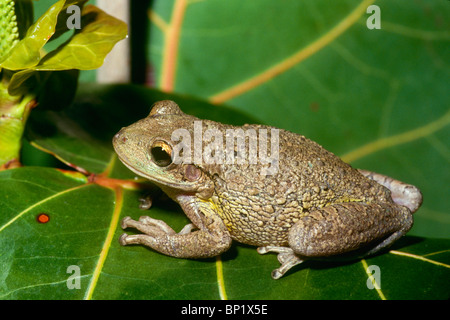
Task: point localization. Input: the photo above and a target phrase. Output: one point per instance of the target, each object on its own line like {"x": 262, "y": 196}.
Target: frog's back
{"x": 259, "y": 209}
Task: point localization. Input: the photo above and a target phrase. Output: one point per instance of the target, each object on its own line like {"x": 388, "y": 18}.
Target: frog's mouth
{"x": 159, "y": 176}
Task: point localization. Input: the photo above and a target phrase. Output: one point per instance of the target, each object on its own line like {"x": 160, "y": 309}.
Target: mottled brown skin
{"x": 314, "y": 206}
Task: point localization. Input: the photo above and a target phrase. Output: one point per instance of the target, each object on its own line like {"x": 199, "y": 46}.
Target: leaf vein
{"x": 292, "y": 60}
{"x": 418, "y": 257}
{"x": 397, "y": 139}
{"x": 106, "y": 244}
{"x": 38, "y": 204}
{"x": 37, "y": 285}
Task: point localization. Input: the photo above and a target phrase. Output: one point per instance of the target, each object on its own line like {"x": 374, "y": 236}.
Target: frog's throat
{"x": 185, "y": 186}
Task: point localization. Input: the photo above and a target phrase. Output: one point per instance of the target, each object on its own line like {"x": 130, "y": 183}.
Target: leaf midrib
{"x": 107, "y": 244}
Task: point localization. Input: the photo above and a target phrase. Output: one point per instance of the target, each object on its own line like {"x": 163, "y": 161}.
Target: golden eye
{"x": 161, "y": 153}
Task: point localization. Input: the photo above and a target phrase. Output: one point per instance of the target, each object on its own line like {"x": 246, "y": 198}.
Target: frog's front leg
{"x": 211, "y": 238}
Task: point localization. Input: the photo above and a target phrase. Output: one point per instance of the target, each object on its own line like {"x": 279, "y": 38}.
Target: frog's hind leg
{"x": 346, "y": 227}
{"x": 286, "y": 257}
{"x": 402, "y": 193}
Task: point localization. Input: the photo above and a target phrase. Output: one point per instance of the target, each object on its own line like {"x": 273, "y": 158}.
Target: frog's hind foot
{"x": 402, "y": 193}
{"x": 286, "y": 257}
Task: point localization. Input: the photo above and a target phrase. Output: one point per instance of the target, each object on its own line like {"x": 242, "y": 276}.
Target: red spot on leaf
{"x": 42, "y": 218}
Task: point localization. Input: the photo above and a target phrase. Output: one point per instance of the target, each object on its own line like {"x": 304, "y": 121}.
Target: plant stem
{"x": 14, "y": 111}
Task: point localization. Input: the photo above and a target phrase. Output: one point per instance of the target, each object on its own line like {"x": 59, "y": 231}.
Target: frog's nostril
{"x": 120, "y": 137}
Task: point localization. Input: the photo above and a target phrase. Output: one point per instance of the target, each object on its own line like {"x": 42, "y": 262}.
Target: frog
{"x": 302, "y": 203}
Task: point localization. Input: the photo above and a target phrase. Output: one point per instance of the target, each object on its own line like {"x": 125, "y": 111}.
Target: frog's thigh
{"x": 345, "y": 227}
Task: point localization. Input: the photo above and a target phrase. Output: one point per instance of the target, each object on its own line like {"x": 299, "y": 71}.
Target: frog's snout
{"x": 120, "y": 137}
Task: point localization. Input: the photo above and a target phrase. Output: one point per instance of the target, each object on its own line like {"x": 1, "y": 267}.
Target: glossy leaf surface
{"x": 378, "y": 98}
{"x": 39, "y": 260}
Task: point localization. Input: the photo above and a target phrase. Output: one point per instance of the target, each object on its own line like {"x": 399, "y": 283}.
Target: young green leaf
{"x": 26, "y": 53}
{"x": 87, "y": 48}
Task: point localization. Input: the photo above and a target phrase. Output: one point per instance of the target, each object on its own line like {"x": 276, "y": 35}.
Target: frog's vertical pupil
{"x": 160, "y": 156}
{"x": 43, "y": 218}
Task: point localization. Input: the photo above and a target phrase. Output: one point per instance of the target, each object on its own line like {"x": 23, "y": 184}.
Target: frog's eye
{"x": 161, "y": 153}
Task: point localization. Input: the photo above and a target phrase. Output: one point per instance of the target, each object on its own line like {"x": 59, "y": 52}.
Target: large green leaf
{"x": 384, "y": 113}
{"x": 85, "y": 210}
{"x": 36, "y": 258}
{"x": 377, "y": 97}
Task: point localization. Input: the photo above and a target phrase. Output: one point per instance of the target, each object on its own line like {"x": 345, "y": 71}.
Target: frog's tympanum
{"x": 302, "y": 203}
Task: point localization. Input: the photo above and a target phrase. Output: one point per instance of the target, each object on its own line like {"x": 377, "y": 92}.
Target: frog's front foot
{"x": 286, "y": 257}
{"x": 147, "y": 225}
{"x": 150, "y": 227}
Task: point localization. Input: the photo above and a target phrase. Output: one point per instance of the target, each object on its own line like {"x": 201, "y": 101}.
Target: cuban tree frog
{"x": 302, "y": 202}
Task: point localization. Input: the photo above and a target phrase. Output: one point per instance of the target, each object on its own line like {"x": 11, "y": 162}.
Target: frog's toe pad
{"x": 125, "y": 223}
{"x": 276, "y": 274}
{"x": 123, "y": 239}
